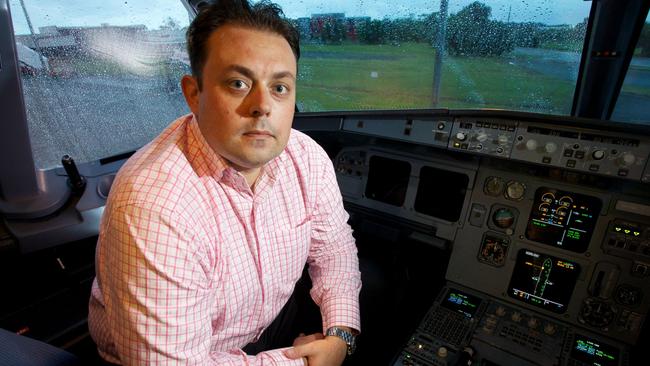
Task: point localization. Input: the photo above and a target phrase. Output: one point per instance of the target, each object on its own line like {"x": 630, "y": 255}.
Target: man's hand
{"x": 319, "y": 351}
{"x": 304, "y": 339}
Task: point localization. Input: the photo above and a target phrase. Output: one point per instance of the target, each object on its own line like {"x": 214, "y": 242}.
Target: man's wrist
{"x": 346, "y": 336}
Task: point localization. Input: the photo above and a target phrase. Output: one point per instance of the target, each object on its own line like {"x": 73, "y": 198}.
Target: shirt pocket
{"x": 290, "y": 249}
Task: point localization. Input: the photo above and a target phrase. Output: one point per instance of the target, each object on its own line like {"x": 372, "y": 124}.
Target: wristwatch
{"x": 349, "y": 338}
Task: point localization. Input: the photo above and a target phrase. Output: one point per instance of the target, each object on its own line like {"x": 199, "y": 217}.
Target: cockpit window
{"x": 632, "y": 105}
{"x": 404, "y": 54}
{"x": 99, "y": 77}
{"x": 107, "y": 72}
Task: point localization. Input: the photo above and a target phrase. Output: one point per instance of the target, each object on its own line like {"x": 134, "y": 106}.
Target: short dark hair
{"x": 264, "y": 16}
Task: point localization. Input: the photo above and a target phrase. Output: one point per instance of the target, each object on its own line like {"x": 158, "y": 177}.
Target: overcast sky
{"x": 152, "y": 13}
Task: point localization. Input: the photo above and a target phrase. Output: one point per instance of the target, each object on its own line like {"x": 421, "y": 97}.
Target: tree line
{"x": 469, "y": 32}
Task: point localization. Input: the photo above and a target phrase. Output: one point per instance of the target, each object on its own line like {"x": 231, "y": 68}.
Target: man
{"x": 208, "y": 227}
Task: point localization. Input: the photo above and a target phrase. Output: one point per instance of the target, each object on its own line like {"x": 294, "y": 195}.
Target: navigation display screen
{"x": 594, "y": 353}
{"x": 543, "y": 280}
{"x": 460, "y": 302}
{"x": 563, "y": 219}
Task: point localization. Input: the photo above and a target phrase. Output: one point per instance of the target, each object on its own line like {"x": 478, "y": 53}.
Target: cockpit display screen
{"x": 563, "y": 219}
{"x": 543, "y": 280}
{"x": 594, "y": 353}
{"x": 460, "y": 302}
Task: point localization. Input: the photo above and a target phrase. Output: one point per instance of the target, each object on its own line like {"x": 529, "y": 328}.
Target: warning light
{"x": 627, "y": 231}
{"x": 637, "y": 233}
{"x": 618, "y": 229}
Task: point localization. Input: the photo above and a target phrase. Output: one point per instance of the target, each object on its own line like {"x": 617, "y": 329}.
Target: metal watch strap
{"x": 349, "y": 338}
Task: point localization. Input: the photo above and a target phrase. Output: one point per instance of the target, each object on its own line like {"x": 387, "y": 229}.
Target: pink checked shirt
{"x": 192, "y": 265}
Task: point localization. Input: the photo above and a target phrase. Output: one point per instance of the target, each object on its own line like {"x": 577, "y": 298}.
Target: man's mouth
{"x": 258, "y": 133}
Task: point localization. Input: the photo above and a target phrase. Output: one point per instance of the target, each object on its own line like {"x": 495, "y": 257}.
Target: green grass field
{"x": 335, "y": 77}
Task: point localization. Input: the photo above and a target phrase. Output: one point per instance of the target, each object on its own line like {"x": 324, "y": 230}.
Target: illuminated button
{"x": 546, "y": 160}
{"x": 531, "y": 144}
{"x": 598, "y": 154}
{"x": 568, "y": 153}
{"x": 579, "y": 154}
{"x": 627, "y": 159}
{"x": 550, "y": 147}
{"x": 570, "y": 163}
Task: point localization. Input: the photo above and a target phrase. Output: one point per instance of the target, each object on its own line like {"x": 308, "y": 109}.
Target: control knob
{"x": 531, "y": 144}
{"x": 598, "y": 154}
{"x": 627, "y": 159}
{"x": 550, "y": 329}
{"x": 500, "y": 311}
{"x": 481, "y": 137}
{"x": 550, "y": 147}
{"x": 533, "y": 323}
{"x": 516, "y": 317}
{"x": 461, "y": 136}
{"x": 442, "y": 352}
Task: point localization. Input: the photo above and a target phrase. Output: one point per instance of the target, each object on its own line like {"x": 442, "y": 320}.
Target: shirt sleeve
{"x": 333, "y": 261}
{"x": 155, "y": 279}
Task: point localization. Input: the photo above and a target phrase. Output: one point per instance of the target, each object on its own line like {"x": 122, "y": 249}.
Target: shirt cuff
{"x": 340, "y": 311}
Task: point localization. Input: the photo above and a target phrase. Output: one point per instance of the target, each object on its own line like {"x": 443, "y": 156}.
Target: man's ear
{"x": 191, "y": 92}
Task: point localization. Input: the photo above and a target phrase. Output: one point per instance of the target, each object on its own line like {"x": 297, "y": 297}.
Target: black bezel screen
{"x": 591, "y": 352}
{"x": 543, "y": 280}
{"x": 461, "y": 302}
{"x": 388, "y": 180}
{"x": 563, "y": 219}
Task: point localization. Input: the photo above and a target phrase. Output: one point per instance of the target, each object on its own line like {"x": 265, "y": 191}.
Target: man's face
{"x": 246, "y": 104}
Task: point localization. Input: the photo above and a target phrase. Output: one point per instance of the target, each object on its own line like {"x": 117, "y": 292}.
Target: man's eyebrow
{"x": 251, "y": 75}
{"x": 284, "y": 74}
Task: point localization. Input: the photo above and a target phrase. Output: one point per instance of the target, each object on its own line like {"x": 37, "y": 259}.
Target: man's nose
{"x": 259, "y": 101}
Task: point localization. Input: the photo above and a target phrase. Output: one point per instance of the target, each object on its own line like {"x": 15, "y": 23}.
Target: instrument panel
{"x": 549, "y": 227}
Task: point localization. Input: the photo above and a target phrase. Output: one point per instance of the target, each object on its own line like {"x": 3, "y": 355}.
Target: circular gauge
{"x": 494, "y": 250}
{"x": 515, "y": 190}
{"x": 494, "y": 186}
{"x": 596, "y": 313}
{"x": 628, "y": 295}
{"x": 548, "y": 197}
{"x": 544, "y": 207}
{"x": 561, "y": 212}
{"x": 503, "y": 218}
{"x": 566, "y": 201}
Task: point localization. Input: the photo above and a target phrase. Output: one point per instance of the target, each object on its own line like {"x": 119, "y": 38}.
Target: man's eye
{"x": 281, "y": 89}
{"x": 238, "y": 84}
